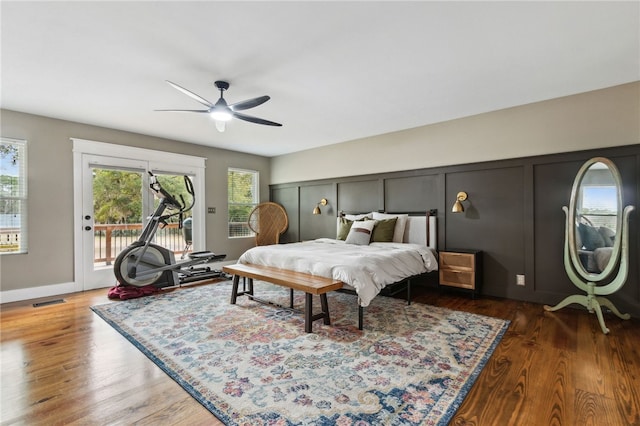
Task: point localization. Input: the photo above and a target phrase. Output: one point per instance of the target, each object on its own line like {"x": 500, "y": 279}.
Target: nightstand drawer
{"x": 461, "y": 269}
{"x": 457, "y": 260}
{"x": 456, "y": 278}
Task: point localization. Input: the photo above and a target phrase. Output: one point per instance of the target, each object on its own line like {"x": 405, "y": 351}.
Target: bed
{"x": 365, "y": 268}
{"x": 594, "y": 244}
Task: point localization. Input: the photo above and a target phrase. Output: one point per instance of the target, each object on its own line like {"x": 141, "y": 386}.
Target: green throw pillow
{"x": 383, "y": 231}
{"x": 344, "y": 226}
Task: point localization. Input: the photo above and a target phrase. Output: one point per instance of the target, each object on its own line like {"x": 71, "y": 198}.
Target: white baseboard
{"x": 36, "y": 292}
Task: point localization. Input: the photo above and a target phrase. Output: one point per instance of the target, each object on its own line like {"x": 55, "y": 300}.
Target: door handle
{"x": 87, "y": 228}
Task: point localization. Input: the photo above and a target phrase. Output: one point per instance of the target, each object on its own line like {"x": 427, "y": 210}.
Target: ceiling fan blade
{"x": 189, "y": 93}
{"x": 251, "y": 103}
{"x": 255, "y": 119}
{"x": 182, "y": 110}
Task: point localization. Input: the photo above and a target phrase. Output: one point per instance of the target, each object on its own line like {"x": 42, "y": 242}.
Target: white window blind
{"x": 13, "y": 196}
{"x": 243, "y": 187}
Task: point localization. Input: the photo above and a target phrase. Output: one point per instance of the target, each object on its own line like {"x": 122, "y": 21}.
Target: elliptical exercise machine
{"x": 144, "y": 263}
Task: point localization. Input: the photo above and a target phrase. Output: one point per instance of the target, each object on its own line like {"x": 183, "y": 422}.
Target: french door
{"x": 113, "y": 204}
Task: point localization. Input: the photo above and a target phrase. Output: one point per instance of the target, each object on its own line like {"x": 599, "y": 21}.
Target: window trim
{"x": 23, "y": 198}
{"x": 256, "y": 200}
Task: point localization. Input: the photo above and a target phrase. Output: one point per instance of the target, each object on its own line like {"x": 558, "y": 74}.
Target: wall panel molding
{"x": 514, "y": 213}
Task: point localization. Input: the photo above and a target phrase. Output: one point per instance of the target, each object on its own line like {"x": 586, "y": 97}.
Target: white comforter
{"x": 368, "y": 269}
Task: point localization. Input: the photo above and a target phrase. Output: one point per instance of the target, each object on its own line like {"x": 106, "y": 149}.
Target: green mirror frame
{"x": 618, "y": 263}
{"x": 575, "y": 213}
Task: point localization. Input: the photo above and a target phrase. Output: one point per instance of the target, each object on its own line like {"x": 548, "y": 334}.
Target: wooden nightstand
{"x": 461, "y": 269}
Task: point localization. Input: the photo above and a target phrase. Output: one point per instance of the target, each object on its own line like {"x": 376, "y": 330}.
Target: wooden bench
{"x": 310, "y": 284}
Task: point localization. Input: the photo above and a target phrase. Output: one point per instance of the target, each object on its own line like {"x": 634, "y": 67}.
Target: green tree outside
{"x": 241, "y": 186}
{"x": 117, "y": 195}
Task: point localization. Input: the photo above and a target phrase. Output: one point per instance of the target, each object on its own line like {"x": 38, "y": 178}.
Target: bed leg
{"x": 360, "y": 316}
{"x": 409, "y": 292}
{"x": 291, "y": 298}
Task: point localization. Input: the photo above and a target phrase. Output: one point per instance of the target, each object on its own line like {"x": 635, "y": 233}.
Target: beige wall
{"x": 602, "y": 118}
{"x": 50, "y": 209}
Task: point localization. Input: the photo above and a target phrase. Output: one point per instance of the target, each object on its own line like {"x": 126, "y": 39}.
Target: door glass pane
{"x": 179, "y": 240}
{"x": 117, "y": 212}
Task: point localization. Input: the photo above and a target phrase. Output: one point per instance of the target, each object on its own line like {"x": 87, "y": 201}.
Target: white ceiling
{"x": 335, "y": 71}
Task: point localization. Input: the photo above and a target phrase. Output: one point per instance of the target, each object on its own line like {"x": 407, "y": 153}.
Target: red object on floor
{"x": 131, "y": 292}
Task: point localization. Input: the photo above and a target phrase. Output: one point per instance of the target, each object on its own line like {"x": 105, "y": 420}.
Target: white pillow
{"x": 401, "y": 222}
{"x": 358, "y": 216}
{"x": 360, "y": 233}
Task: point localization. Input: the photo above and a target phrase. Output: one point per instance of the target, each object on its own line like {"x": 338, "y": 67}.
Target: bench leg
{"x": 325, "y": 308}
{"x": 308, "y": 306}
{"x": 234, "y": 290}
{"x": 309, "y": 317}
{"x": 360, "y": 316}
{"x": 291, "y": 298}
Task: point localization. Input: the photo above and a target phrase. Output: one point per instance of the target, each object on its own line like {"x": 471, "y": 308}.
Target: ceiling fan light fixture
{"x": 221, "y": 115}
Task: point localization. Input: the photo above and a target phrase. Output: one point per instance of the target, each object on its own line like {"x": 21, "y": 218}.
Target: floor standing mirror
{"x": 596, "y": 238}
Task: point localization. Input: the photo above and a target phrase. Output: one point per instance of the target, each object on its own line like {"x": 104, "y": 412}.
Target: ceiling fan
{"x": 221, "y": 112}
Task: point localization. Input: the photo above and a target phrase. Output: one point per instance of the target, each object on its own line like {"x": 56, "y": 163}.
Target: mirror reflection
{"x": 596, "y": 216}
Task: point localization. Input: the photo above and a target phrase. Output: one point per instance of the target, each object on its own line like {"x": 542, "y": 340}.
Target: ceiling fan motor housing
{"x": 221, "y": 85}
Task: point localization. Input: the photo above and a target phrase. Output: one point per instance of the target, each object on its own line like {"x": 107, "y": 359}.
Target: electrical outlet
{"x": 520, "y": 280}
{"x": 211, "y": 210}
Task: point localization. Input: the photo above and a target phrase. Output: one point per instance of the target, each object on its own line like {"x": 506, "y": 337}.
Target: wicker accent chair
{"x": 268, "y": 220}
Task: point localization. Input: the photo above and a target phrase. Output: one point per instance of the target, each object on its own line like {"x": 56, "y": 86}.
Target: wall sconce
{"x": 457, "y": 206}
{"x": 322, "y": 202}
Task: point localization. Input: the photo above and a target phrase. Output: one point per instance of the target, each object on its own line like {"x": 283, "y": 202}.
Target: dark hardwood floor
{"x": 62, "y": 364}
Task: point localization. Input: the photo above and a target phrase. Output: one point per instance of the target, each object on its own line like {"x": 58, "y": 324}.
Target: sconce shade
{"x": 322, "y": 202}
{"x": 457, "y": 206}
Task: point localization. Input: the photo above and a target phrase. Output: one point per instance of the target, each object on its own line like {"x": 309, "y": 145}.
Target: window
{"x": 242, "y": 189}
{"x": 13, "y": 196}
{"x": 600, "y": 204}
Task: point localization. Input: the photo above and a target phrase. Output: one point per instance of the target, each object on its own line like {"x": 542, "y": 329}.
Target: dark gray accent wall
{"x": 289, "y": 197}
{"x": 513, "y": 214}
{"x": 493, "y": 221}
{"x": 411, "y": 193}
{"x": 317, "y": 226}
{"x": 359, "y": 196}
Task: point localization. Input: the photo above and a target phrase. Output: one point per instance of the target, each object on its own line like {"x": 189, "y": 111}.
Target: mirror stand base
{"x": 592, "y": 303}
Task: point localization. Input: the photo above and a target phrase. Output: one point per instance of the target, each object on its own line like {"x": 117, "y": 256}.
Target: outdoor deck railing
{"x": 111, "y": 239}
{"x": 9, "y": 239}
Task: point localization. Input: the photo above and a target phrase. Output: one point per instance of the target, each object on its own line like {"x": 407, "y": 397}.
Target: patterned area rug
{"x": 253, "y": 364}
